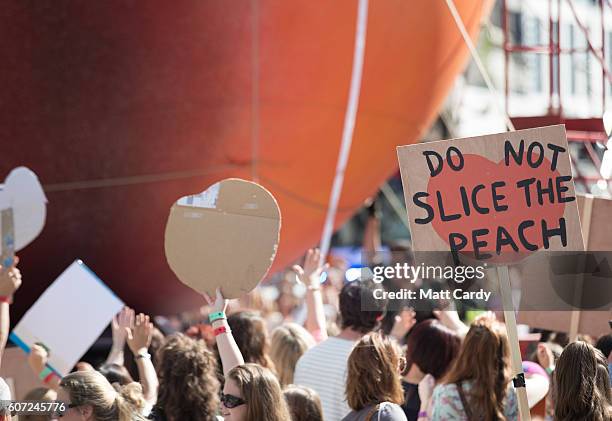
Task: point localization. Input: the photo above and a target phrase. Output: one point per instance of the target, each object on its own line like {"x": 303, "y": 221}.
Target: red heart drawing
{"x": 479, "y": 170}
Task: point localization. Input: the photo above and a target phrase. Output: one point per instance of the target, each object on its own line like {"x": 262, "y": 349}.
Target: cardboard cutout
{"x": 226, "y": 236}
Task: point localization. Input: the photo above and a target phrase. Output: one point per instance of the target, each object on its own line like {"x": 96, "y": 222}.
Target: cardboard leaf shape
{"x": 23, "y": 193}
{"x": 226, "y": 236}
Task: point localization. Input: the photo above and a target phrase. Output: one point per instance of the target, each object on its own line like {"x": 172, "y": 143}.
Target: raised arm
{"x": 123, "y": 321}
{"x": 10, "y": 281}
{"x": 310, "y": 276}
{"x": 139, "y": 340}
{"x": 228, "y": 349}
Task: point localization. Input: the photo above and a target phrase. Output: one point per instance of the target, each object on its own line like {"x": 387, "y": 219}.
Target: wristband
{"x": 6, "y": 299}
{"x": 216, "y": 316}
{"x": 221, "y": 329}
{"x": 423, "y": 414}
{"x": 550, "y": 370}
{"x": 43, "y": 375}
{"x": 143, "y": 355}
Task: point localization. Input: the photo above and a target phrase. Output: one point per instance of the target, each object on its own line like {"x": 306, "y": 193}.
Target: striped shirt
{"x": 323, "y": 368}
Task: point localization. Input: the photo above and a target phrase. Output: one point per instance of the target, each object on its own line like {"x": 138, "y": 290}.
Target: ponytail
{"x": 129, "y": 401}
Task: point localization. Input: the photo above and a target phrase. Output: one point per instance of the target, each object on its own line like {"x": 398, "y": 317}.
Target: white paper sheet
{"x": 68, "y": 317}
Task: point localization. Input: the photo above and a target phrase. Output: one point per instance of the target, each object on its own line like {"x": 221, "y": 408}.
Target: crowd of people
{"x": 244, "y": 364}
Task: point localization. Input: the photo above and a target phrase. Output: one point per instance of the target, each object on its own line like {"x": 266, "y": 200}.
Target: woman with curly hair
{"x": 251, "y": 392}
{"x": 582, "y": 387}
{"x": 188, "y": 386}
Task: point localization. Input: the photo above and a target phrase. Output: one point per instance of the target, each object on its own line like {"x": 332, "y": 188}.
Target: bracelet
{"x": 216, "y": 316}
{"x": 44, "y": 375}
{"x": 550, "y": 370}
{"x": 423, "y": 414}
{"x": 314, "y": 288}
{"x": 221, "y": 329}
{"x": 6, "y": 299}
{"x": 143, "y": 355}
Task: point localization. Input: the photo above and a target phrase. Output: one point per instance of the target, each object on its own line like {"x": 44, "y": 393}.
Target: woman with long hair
{"x": 289, "y": 342}
{"x": 87, "y": 395}
{"x": 252, "y": 337}
{"x": 581, "y": 385}
{"x": 478, "y": 384}
{"x": 188, "y": 386}
{"x": 251, "y": 392}
{"x": 373, "y": 384}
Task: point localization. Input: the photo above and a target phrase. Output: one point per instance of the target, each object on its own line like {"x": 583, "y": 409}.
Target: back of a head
{"x": 354, "y": 297}
{"x": 582, "y": 386}
{"x": 373, "y": 373}
{"x": 116, "y": 373}
{"x": 261, "y": 391}
{"x": 39, "y": 394}
{"x": 604, "y": 344}
{"x": 187, "y": 379}
{"x": 484, "y": 359}
{"x": 304, "y": 403}
{"x": 432, "y": 347}
{"x": 251, "y": 336}
{"x": 289, "y": 342}
{"x": 90, "y": 388}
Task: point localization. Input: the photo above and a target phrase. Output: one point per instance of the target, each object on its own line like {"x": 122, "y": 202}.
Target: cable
{"x": 349, "y": 126}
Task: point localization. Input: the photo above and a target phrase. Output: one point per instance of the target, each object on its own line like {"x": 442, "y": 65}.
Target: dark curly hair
{"x": 188, "y": 386}
{"x": 355, "y": 296}
{"x": 251, "y": 336}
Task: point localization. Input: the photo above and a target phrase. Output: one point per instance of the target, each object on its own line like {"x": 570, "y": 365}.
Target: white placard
{"x": 68, "y": 317}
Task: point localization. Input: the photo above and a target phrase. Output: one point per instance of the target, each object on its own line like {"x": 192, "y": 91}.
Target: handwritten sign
{"x": 497, "y": 197}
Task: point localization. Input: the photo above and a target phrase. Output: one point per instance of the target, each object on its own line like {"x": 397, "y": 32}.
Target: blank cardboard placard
{"x": 226, "y": 236}
{"x": 479, "y": 194}
{"x": 23, "y": 193}
{"x": 68, "y": 317}
{"x": 594, "y": 216}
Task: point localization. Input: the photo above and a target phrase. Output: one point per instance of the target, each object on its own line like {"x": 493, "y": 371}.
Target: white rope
{"x": 481, "y": 68}
{"x": 255, "y": 91}
{"x": 349, "y": 126}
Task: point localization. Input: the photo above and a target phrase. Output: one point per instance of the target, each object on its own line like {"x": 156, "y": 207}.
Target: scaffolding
{"x": 586, "y": 136}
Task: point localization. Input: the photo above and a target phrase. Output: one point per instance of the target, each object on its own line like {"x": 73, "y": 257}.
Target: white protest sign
{"x": 23, "y": 194}
{"x": 68, "y": 317}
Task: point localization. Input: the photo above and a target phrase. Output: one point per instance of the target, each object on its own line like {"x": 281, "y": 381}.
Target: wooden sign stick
{"x": 515, "y": 352}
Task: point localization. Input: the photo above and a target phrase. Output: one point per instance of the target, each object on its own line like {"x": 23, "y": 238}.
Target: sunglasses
{"x": 231, "y": 401}
{"x": 59, "y": 413}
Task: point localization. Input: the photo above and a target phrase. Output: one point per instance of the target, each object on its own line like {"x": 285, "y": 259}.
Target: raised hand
{"x": 545, "y": 356}
{"x": 37, "y": 358}
{"x": 310, "y": 274}
{"x": 139, "y": 338}
{"x": 122, "y": 321}
{"x": 218, "y": 304}
{"x": 10, "y": 280}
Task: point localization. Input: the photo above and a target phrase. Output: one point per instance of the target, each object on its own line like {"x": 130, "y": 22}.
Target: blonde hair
{"x": 289, "y": 342}
{"x": 108, "y": 404}
{"x": 260, "y": 389}
{"x": 373, "y": 373}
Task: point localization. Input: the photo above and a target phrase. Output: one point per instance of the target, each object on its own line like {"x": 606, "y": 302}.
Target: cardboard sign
{"x": 68, "y": 317}
{"x": 225, "y": 237}
{"x": 23, "y": 194}
{"x": 594, "y": 215}
{"x": 497, "y": 197}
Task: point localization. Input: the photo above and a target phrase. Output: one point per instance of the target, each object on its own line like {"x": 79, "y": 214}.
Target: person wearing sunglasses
{"x": 88, "y": 396}
{"x": 251, "y": 392}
